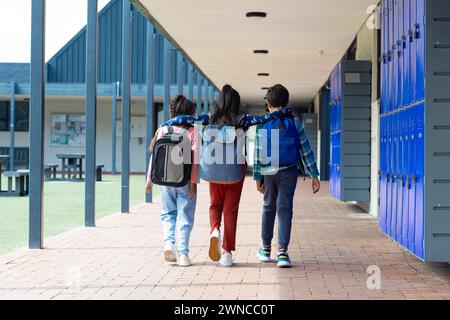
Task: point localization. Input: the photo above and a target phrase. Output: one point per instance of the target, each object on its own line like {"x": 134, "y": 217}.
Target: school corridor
{"x": 333, "y": 245}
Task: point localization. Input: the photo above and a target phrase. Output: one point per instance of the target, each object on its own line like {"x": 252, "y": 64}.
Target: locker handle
{"x": 405, "y": 40}
{"x": 384, "y": 59}
{"x": 398, "y": 47}
{"x": 411, "y": 35}
{"x": 389, "y": 55}
{"x": 414, "y": 179}
{"x": 416, "y": 31}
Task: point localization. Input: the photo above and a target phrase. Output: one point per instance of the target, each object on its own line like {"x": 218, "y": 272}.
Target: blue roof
{"x": 18, "y": 72}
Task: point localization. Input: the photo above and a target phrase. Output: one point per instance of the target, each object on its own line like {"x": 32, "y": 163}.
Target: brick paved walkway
{"x": 333, "y": 244}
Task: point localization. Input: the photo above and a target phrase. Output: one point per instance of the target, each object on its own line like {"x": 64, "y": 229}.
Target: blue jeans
{"x": 279, "y": 200}
{"x": 178, "y": 212}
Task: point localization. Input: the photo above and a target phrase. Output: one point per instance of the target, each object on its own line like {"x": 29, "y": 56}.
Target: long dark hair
{"x": 228, "y": 107}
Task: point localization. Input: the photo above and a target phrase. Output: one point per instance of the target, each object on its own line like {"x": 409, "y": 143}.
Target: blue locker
{"x": 389, "y": 175}
{"x": 420, "y": 39}
{"x": 413, "y": 52}
{"x": 400, "y": 53}
{"x": 383, "y": 172}
{"x": 395, "y": 60}
{"x": 384, "y": 61}
{"x": 420, "y": 154}
{"x": 407, "y": 39}
{"x": 406, "y": 179}
{"x": 391, "y": 87}
{"x": 394, "y": 154}
{"x": 400, "y": 176}
{"x": 413, "y": 180}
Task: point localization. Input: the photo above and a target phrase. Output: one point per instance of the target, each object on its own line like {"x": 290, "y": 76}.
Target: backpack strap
{"x": 169, "y": 129}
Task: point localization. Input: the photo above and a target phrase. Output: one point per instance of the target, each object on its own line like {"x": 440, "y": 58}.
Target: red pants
{"x": 225, "y": 199}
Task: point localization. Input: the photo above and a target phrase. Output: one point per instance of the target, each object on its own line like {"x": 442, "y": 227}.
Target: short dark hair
{"x": 278, "y": 96}
{"x": 180, "y": 105}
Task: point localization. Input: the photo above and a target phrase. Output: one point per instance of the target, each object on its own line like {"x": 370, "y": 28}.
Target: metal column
{"x": 206, "y": 102}
{"x": 11, "y": 126}
{"x": 126, "y": 104}
{"x": 91, "y": 111}
{"x": 115, "y": 94}
{"x": 167, "y": 77}
{"x": 199, "y": 93}
{"x": 150, "y": 112}
{"x": 37, "y": 105}
{"x": 191, "y": 82}
{"x": 181, "y": 73}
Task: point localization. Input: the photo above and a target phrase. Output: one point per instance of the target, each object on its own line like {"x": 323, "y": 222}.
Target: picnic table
{"x": 3, "y": 161}
{"x": 22, "y": 183}
{"x": 72, "y": 162}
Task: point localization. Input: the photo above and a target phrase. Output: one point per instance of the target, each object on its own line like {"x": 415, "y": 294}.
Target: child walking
{"x": 179, "y": 203}
{"x": 277, "y": 178}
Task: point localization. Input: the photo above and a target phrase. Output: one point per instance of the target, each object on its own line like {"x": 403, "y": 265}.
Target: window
{"x": 4, "y": 116}
{"x": 21, "y": 116}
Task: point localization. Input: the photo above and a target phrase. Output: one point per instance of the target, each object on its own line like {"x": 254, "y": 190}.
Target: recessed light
{"x": 261, "y": 51}
{"x": 265, "y": 88}
{"x": 263, "y": 74}
{"x": 256, "y": 14}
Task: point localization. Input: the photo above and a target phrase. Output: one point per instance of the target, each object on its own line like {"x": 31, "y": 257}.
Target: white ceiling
{"x": 220, "y": 39}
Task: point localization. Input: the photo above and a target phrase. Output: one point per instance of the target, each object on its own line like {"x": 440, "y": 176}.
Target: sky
{"x": 64, "y": 19}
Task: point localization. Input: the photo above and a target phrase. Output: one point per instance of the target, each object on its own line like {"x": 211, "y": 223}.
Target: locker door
{"x": 395, "y": 59}
{"x": 413, "y": 180}
{"x": 406, "y": 52}
{"x": 338, "y": 167}
{"x": 389, "y": 176}
{"x": 383, "y": 181}
{"x": 413, "y": 49}
{"x": 384, "y": 60}
{"x": 391, "y": 82}
{"x": 395, "y": 131}
{"x": 406, "y": 172}
{"x": 419, "y": 241}
{"x": 400, "y": 177}
{"x": 420, "y": 38}
{"x": 400, "y": 54}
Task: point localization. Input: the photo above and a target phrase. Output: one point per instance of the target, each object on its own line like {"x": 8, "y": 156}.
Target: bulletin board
{"x": 68, "y": 130}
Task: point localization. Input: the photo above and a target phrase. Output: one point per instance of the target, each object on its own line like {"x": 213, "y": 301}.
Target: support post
{"x": 167, "y": 77}
{"x": 37, "y": 105}
{"x": 181, "y": 73}
{"x": 199, "y": 93}
{"x": 126, "y": 105}
{"x": 11, "y": 126}
{"x": 115, "y": 94}
{"x": 191, "y": 82}
{"x": 150, "y": 112}
{"x": 91, "y": 111}
{"x": 206, "y": 104}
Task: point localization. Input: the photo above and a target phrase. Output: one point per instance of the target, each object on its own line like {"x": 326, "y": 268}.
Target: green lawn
{"x": 64, "y": 208}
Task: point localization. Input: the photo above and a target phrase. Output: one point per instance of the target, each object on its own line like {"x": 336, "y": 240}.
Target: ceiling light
{"x": 261, "y": 51}
{"x": 256, "y": 14}
{"x": 263, "y": 74}
{"x": 265, "y": 88}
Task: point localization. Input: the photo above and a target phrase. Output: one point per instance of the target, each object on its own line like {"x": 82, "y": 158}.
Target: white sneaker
{"x": 184, "y": 261}
{"x": 226, "y": 260}
{"x": 169, "y": 251}
{"x": 214, "y": 245}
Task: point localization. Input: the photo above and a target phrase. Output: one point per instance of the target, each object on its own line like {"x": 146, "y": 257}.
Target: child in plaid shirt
{"x": 278, "y": 183}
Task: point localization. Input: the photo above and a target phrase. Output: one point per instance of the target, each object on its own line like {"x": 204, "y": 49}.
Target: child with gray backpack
{"x": 173, "y": 167}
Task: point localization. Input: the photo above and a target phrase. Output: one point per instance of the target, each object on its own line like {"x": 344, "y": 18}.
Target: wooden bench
{"x": 49, "y": 170}
{"x": 22, "y": 182}
{"x": 99, "y": 170}
{"x": 21, "y": 156}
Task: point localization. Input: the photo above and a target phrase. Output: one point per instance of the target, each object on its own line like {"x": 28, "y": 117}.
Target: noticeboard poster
{"x": 68, "y": 130}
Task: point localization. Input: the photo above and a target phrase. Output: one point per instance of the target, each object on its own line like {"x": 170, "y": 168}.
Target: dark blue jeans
{"x": 279, "y": 200}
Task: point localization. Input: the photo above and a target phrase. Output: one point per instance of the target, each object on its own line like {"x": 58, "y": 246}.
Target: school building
{"x": 369, "y": 77}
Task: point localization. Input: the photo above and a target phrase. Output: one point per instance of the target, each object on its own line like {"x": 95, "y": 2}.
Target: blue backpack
{"x": 288, "y": 144}
{"x": 222, "y": 159}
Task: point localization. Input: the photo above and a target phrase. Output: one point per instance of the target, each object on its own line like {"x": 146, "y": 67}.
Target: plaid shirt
{"x": 260, "y": 170}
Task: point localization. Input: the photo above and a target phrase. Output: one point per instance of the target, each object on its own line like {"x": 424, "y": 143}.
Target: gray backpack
{"x": 171, "y": 160}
